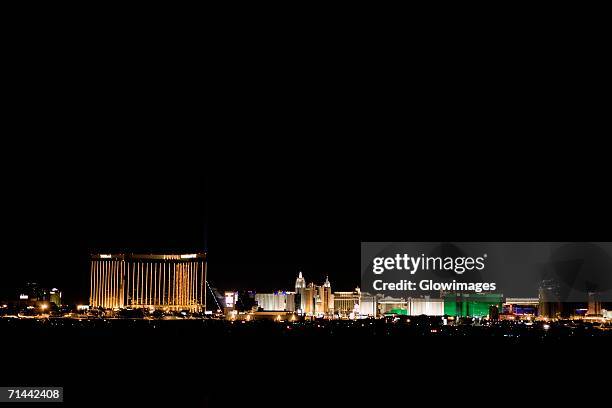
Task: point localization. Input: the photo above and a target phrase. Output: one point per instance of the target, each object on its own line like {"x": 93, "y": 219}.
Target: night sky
{"x": 260, "y": 226}
{"x": 269, "y": 192}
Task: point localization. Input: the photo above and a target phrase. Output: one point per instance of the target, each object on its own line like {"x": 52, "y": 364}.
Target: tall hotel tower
{"x": 300, "y": 286}
{"x": 313, "y": 299}
{"x": 165, "y": 282}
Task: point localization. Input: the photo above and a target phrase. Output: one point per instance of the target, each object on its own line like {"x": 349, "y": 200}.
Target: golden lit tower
{"x": 166, "y": 282}
{"x": 328, "y": 299}
{"x": 300, "y": 296}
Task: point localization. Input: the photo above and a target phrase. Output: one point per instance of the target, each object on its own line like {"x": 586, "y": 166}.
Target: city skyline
{"x": 260, "y": 235}
{"x": 272, "y": 170}
{"x": 176, "y": 283}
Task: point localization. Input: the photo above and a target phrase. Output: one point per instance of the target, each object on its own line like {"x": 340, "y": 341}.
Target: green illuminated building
{"x": 471, "y": 305}
{"x": 397, "y": 311}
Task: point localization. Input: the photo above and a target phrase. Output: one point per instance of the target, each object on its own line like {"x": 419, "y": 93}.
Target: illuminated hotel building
{"x": 166, "y": 282}
{"x": 324, "y": 300}
{"x": 549, "y": 299}
{"x": 412, "y": 306}
{"x": 327, "y": 298}
{"x": 346, "y": 303}
{"x": 313, "y": 299}
{"x": 357, "y": 303}
{"x": 367, "y": 304}
{"x": 471, "y": 304}
{"x": 55, "y": 296}
{"x": 521, "y": 306}
{"x": 391, "y": 305}
{"x": 277, "y": 301}
{"x": 300, "y": 287}
{"x": 308, "y": 299}
{"x": 425, "y": 306}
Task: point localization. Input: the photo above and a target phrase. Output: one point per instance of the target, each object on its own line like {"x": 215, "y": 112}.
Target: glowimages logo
{"x": 568, "y": 271}
{"x": 412, "y": 264}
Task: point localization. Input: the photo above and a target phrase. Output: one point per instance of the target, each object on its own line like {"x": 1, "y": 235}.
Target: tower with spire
{"x": 300, "y": 282}
{"x": 311, "y": 299}
{"x": 328, "y": 298}
{"x": 300, "y": 286}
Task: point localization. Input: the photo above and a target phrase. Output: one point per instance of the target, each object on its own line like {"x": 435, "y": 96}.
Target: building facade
{"x": 300, "y": 286}
{"x": 324, "y": 300}
{"x": 594, "y": 305}
{"x": 277, "y": 301}
{"x": 521, "y": 307}
{"x": 55, "y": 296}
{"x": 412, "y": 306}
{"x": 367, "y": 305}
{"x": 471, "y": 304}
{"x": 549, "y": 296}
{"x": 391, "y": 305}
{"x": 425, "y": 306}
{"x": 313, "y": 299}
{"x": 346, "y": 303}
{"x": 308, "y": 299}
{"x": 164, "y": 282}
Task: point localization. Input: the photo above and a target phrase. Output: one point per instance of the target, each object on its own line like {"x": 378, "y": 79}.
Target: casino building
{"x": 313, "y": 299}
{"x": 164, "y": 282}
{"x": 277, "y": 301}
{"x": 471, "y": 304}
{"x": 412, "y": 306}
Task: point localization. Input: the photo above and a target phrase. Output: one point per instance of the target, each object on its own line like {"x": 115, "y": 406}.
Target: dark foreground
{"x": 218, "y": 363}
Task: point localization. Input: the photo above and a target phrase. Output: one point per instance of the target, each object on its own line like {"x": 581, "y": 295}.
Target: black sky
{"x": 269, "y": 209}
{"x": 278, "y": 182}
{"x": 262, "y": 218}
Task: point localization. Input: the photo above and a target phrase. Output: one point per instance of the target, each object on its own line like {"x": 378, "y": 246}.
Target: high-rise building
{"x": 367, "y": 304}
{"x": 391, "y": 305}
{"x": 549, "y": 297}
{"x": 493, "y": 312}
{"x": 346, "y": 303}
{"x": 300, "y": 282}
{"x": 324, "y": 300}
{"x": 471, "y": 304}
{"x": 425, "y": 306}
{"x": 55, "y": 296}
{"x": 594, "y": 307}
{"x": 309, "y": 299}
{"x": 290, "y": 302}
{"x": 328, "y": 297}
{"x": 313, "y": 299}
{"x": 166, "y": 282}
{"x": 300, "y": 286}
{"x": 412, "y": 306}
{"x": 277, "y": 301}
{"x": 230, "y": 299}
